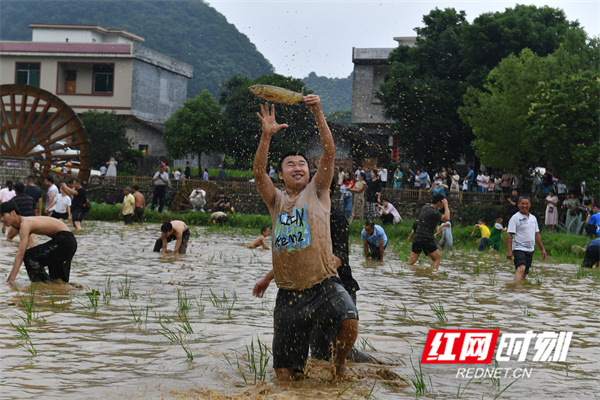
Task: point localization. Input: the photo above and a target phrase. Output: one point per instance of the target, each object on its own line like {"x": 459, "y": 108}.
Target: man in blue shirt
{"x": 471, "y": 179}
{"x": 374, "y": 239}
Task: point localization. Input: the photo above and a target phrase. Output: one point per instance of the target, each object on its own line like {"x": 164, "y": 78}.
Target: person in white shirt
{"x": 383, "y": 176}
{"x": 522, "y": 235}
{"x": 7, "y": 193}
{"x": 198, "y": 199}
{"x": 62, "y": 208}
{"x": 51, "y": 194}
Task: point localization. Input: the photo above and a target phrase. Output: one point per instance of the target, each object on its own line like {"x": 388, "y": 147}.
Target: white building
{"x": 93, "y": 68}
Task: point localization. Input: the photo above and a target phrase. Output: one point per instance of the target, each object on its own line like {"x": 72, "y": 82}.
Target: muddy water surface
{"x": 137, "y": 324}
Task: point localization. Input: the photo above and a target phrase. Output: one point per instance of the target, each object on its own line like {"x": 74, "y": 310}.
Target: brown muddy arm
{"x": 324, "y": 173}
{"x": 264, "y": 185}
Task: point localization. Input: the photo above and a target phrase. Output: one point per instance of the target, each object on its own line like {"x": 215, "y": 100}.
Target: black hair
{"x": 369, "y": 223}
{"x": 136, "y": 187}
{"x": 9, "y": 206}
{"x": 49, "y": 178}
{"x": 384, "y": 199}
{"x": 290, "y": 153}
{"x": 10, "y": 184}
{"x": 19, "y": 187}
{"x": 77, "y": 181}
{"x": 264, "y": 228}
{"x": 364, "y": 175}
{"x": 166, "y": 227}
{"x": 437, "y": 198}
{"x": 30, "y": 178}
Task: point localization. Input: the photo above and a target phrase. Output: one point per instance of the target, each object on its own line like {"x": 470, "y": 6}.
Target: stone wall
{"x": 15, "y": 169}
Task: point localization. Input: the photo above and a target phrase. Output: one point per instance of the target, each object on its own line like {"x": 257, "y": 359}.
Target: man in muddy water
{"x": 174, "y": 230}
{"x": 429, "y": 218}
{"x": 321, "y": 341}
{"x": 303, "y": 264}
{"x": 55, "y": 254}
{"x": 522, "y": 235}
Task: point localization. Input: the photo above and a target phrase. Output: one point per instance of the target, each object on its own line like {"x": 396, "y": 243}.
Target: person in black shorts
{"x": 174, "y": 230}
{"x": 56, "y": 254}
{"x": 75, "y": 189}
{"x": 592, "y": 254}
{"x": 429, "y": 218}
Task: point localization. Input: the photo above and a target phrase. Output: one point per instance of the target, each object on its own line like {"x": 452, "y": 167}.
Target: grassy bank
{"x": 558, "y": 245}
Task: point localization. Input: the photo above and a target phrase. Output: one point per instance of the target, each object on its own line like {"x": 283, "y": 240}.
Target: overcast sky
{"x": 300, "y": 37}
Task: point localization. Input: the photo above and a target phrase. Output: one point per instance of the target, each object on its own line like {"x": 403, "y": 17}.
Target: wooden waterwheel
{"x": 38, "y": 125}
{"x": 181, "y": 199}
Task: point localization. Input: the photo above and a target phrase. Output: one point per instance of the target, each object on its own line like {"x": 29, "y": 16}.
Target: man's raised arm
{"x": 264, "y": 184}
{"x": 324, "y": 174}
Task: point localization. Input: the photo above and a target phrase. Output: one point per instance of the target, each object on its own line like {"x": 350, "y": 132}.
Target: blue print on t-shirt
{"x": 292, "y": 231}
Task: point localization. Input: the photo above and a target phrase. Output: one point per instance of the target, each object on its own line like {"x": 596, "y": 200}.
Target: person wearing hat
{"x": 198, "y": 199}
{"x": 128, "y": 205}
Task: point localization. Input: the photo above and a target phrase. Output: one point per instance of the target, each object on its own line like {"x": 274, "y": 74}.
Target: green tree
{"x": 563, "y": 122}
{"x": 107, "y": 133}
{"x": 242, "y": 126}
{"x": 500, "y": 113}
{"x": 426, "y": 83}
{"x": 195, "y": 128}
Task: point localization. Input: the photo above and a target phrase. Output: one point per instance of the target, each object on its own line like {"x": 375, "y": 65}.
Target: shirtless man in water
{"x": 174, "y": 230}
{"x": 55, "y": 254}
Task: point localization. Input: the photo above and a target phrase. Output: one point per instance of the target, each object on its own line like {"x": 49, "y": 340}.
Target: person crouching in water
{"x": 262, "y": 239}
{"x": 55, "y": 254}
{"x": 174, "y": 230}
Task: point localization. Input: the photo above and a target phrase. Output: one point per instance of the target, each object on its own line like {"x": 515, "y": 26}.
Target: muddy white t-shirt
{"x": 523, "y": 228}
{"x": 301, "y": 241}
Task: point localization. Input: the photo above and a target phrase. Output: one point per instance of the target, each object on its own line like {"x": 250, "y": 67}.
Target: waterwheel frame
{"x": 32, "y": 122}
{"x": 181, "y": 199}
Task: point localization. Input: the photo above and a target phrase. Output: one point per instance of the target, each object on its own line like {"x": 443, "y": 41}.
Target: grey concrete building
{"x": 370, "y": 67}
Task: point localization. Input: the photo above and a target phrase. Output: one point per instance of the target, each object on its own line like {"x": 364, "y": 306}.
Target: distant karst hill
{"x": 190, "y": 31}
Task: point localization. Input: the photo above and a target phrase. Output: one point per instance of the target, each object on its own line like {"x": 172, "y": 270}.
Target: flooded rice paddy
{"x": 135, "y": 324}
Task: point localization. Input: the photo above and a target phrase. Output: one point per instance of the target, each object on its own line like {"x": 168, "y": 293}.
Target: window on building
{"x": 28, "y": 74}
{"x": 103, "y": 78}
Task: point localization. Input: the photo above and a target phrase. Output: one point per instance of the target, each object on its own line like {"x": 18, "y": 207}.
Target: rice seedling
{"x": 93, "y": 296}
{"x": 525, "y": 310}
{"x": 185, "y": 323}
{"x": 174, "y": 337}
{"x": 458, "y": 393}
{"x": 28, "y": 303}
{"x": 255, "y": 360}
{"x": 405, "y": 316}
{"x": 492, "y": 280}
{"x": 503, "y": 390}
{"x": 370, "y": 395}
{"x": 438, "y": 309}
{"x": 58, "y": 305}
{"x": 417, "y": 380}
{"x": 224, "y": 303}
{"x": 183, "y": 302}
{"x": 365, "y": 344}
{"x": 125, "y": 289}
{"x": 345, "y": 389}
{"x": 137, "y": 317}
{"x": 107, "y": 294}
{"x": 25, "y": 340}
